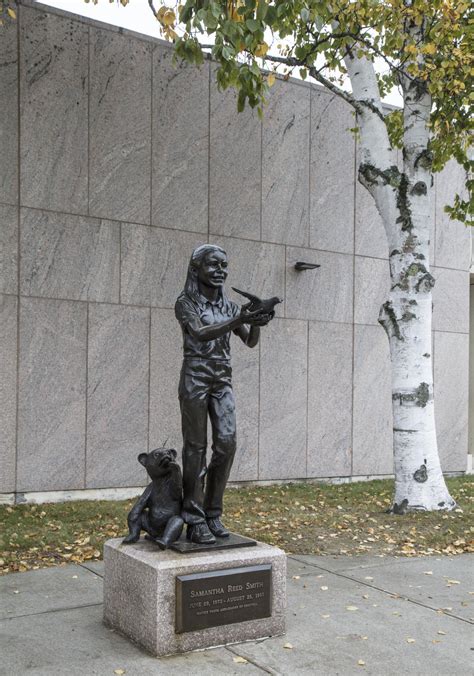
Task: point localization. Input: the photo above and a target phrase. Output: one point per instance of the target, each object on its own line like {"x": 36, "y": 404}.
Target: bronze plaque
{"x": 223, "y": 597}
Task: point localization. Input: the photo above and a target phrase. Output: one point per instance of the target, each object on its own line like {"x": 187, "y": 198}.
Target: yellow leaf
{"x": 352, "y": 608}
{"x": 11, "y": 13}
{"x": 271, "y": 79}
{"x": 240, "y": 660}
{"x": 288, "y": 646}
{"x": 169, "y": 17}
{"x": 410, "y": 640}
{"x": 232, "y": 7}
{"x": 119, "y": 672}
{"x": 361, "y": 663}
{"x": 430, "y": 48}
{"x": 261, "y": 49}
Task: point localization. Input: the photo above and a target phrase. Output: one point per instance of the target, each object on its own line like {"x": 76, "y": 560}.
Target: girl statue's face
{"x": 213, "y": 271}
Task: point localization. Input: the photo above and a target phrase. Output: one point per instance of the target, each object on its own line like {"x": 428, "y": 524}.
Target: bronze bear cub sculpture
{"x": 158, "y": 510}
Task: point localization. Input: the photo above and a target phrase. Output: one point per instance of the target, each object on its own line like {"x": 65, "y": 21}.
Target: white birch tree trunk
{"x": 403, "y": 201}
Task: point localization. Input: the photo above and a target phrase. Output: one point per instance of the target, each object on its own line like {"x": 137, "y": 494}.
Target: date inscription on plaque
{"x": 223, "y": 597}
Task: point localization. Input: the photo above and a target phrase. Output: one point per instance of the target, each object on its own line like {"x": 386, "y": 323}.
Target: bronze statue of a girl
{"x": 207, "y": 318}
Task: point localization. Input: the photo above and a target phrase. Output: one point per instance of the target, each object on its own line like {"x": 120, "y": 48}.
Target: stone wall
{"x": 115, "y": 164}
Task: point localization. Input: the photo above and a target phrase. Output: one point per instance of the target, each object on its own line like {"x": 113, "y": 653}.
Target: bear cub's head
{"x": 159, "y": 462}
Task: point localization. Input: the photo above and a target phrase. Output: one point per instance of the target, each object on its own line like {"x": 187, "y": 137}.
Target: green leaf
{"x": 252, "y": 25}
{"x": 241, "y": 101}
{"x": 305, "y": 14}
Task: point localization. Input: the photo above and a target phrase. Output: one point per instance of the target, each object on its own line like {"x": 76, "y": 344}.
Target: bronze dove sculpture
{"x": 257, "y": 305}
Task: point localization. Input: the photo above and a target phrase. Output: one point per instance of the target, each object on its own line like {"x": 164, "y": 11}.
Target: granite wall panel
{"x": 53, "y": 111}
{"x": 245, "y": 378}
{"x": 372, "y": 426}
{"x": 451, "y": 300}
{"x": 69, "y": 257}
{"x": 370, "y": 237}
{"x": 52, "y": 395}
{"x": 119, "y": 127}
{"x": 180, "y": 143}
{"x": 165, "y": 145}
{"x": 166, "y": 357}
{"x": 451, "y": 394}
{"x": 117, "y": 395}
{"x": 285, "y": 165}
{"x": 371, "y": 288}
{"x": 329, "y": 399}
{"x": 235, "y": 168}
{"x": 8, "y": 249}
{"x": 9, "y": 113}
{"x": 323, "y": 294}
{"x": 255, "y": 267}
{"x": 283, "y": 395}
{"x": 8, "y": 388}
{"x": 453, "y": 239}
{"x": 154, "y": 264}
{"x": 332, "y": 174}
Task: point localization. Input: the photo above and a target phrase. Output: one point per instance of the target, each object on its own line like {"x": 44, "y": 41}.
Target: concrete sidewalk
{"x": 345, "y": 616}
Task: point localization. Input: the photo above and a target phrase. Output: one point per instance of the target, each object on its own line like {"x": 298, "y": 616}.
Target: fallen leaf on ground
{"x": 288, "y": 646}
{"x": 443, "y": 633}
{"x": 428, "y": 572}
{"x": 324, "y": 588}
{"x": 296, "y": 577}
{"x": 361, "y": 663}
{"x": 240, "y": 660}
{"x": 410, "y": 640}
{"x": 352, "y": 608}
{"x": 368, "y": 578}
{"x": 119, "y": 672}
{"x": 453, "y": 582}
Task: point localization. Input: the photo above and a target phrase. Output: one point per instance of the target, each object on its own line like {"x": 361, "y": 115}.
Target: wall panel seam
{"x": 18, "y": 263}
{"x": 152, "y": 99}
{"x": 88, "y": 118}
{"x": 353, "y": 303}
{"x": 86, "y": 411}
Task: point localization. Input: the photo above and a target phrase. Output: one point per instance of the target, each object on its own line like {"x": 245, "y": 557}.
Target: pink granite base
{"x": 139, "y": 595}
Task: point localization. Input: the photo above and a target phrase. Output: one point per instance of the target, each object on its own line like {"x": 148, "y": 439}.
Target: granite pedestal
{"x": 141, "y": 602}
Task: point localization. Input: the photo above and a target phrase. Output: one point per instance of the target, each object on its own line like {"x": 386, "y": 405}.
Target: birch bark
{"x": 403, "y": 201}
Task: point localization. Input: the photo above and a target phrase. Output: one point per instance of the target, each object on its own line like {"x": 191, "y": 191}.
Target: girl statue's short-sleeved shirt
{"x": 187, "y": 309}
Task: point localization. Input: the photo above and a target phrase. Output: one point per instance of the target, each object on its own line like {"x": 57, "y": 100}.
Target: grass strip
{"x": 303, "y": 518}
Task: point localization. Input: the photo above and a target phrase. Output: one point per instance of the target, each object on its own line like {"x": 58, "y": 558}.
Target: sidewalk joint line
{"x": 91, "y": 570}
{"x": 51, "y": 610}
{"x": 251, "y": 660}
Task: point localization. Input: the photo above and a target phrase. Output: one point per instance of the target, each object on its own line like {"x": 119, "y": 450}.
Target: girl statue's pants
{"x": 205, "y": 389}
